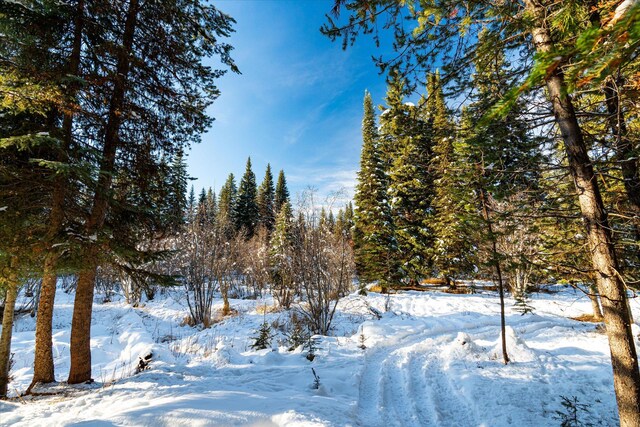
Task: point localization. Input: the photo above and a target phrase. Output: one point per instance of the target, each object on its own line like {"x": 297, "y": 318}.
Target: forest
{"x": 501, "y": 165}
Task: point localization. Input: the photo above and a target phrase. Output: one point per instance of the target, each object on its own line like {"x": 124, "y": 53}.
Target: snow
{"x": 431, "y": 359}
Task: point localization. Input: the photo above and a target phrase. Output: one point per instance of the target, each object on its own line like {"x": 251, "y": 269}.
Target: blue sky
{"x": 297, "y": 104}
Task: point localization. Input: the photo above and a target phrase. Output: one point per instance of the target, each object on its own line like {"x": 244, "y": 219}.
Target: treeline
{"x": 534, "y": 173}
{"x": 245, "y": 241}
{"x": 98, "y": 99}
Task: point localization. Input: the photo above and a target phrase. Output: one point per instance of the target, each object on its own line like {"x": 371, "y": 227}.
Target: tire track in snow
{"x": 404, "y": 384}
{"x": 449, "y": 407}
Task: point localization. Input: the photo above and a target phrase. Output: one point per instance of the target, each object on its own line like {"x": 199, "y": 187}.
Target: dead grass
{"x": 220, "y": 315}
{"x": 588, "y": 318}
{"x": 458, "y": 290}
{"x": 266, "y": 309}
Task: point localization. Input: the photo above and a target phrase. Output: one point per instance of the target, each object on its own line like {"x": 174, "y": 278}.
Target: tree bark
{"x": 626, "y": 377}
{"x": 595, "y": 302}
{"x": 496, "y": 264}
{"x": 43, "y": 366}
{"x": 80, "y": 370}
{"x": 7, "y": 327}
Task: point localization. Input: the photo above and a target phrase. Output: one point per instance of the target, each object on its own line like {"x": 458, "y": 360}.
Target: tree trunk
{"x": 595, "y": 303}
{"x": 43, "y": 366}
{"x": 496, "y": 262}
{"x": 626, "y": 378}
{"x": 7, "y": 328}
{"x": 80, "y": 370}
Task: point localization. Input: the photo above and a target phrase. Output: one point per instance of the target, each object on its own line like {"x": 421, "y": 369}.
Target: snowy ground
{"x": 431, "y": 360}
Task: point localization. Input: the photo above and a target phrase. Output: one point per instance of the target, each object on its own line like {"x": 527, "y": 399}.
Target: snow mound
{"x": 517, "y": 349}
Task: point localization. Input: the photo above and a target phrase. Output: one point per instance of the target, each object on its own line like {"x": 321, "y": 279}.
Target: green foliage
{"x": 572, "y": 412}
{"x": 373, "y": 224}
{"x": 452, "y": 252}
{"x": 312, "y": 347}
{"x": 263, "y": 339}
{"x": 247, "y": 213}
{"x": 521, "y": 304}
{"x": 266, "y": 202}
{"x": 298, "y": 335}
{"x": 407, "y": 149}
{"x": 281, "y": 194}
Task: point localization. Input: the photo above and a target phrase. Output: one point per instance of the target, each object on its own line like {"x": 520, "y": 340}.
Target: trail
{"x": 405, "y": 384}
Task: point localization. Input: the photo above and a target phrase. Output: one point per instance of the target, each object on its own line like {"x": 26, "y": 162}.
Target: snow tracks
{"x": 404, "y": 383}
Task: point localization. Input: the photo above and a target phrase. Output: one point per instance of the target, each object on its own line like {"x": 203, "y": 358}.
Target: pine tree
{"x": 349, "y": 221}
{"x": 40, "y": 53}
{"x": 373, "y": 231}
{"x": 452, "y": 252}
{"x": 280, "y": 256}
{"x": 266, "y": 201}
{"x": 152, "y": 103}
{"x": 202, "y": 207}
{"x": 407, "y": 140}
{"x": 227, "y": 206}
{"x": 192, "y": 208}
{"x": 177, "y": 197}
{"x": 282, "y": 193}
{"x": 211, "y": 206}
{"x": 247, "y": 206}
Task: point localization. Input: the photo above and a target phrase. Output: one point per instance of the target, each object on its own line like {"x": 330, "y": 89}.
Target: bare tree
{"x": 323, "y": 266}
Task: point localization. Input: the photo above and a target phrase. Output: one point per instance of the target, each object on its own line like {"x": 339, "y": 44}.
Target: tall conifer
{"x": 247, "y": 206}
{"x": 282, "y": 192}
{"x": 266, "y": 201}
{"x": 407, "y": 140}
{"x": 373, "y": 233}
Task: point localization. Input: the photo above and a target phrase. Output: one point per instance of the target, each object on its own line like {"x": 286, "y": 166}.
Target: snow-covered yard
{"x": 432, "y": 359}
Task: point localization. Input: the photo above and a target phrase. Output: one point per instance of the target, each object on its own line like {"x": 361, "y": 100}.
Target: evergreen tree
{"x": 266, "y": 201}
{"x": 373, "y": 232}
{"x": 323, "y": 218}
{"x": 247, "y": 206}
{"x": 227, "y": 205}
{"x": 280, "y": 257}
{"x": 40, "y": 60}
{"x": 151, "y": 102}
{"x": 177, "y": 196}
{"x": 453, "y": 249}
{"x": 202, "y": 207}
{"x": 211, "y": 206}
{"x": 349, "y": 221}
{"x": 282, "y": 193}
{"x": 191, "y": 204}
{"x": 407, "y": 140}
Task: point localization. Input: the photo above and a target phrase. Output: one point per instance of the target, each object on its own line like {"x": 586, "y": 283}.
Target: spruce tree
{"x": 247, "y": 205}
{"x": 373, "y": 231}
{"x": 40, "y": 60}
{"x": 266, "y": 201}
{"x": 282, "y": 193}
{"x": 211, "y": 206}
{"x": 227, "y": 206}
{"x": 177, "y": 196}
{"x": 407, "y": 143}
{"x": 152, "y": 103}
{"x": 281, "y": 248}
{"x": 191, "y": 205}
{"x": 453, "y": 248}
